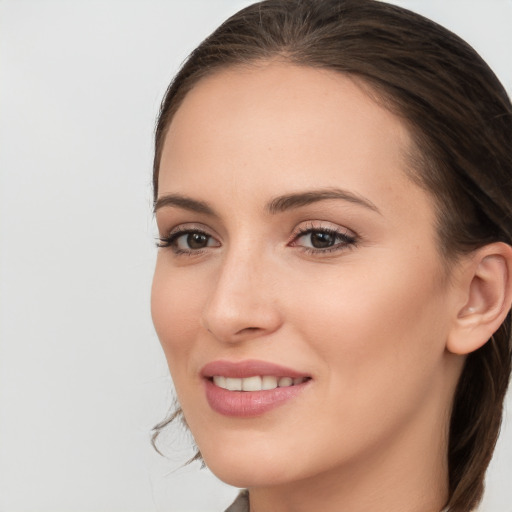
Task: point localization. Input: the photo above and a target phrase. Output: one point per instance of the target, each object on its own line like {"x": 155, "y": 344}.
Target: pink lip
{"x": 246, "y": 404}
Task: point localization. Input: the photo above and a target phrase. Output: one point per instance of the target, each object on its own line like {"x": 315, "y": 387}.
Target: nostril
{"x": 248, "y": 329}
{"x": 238, "y": 321}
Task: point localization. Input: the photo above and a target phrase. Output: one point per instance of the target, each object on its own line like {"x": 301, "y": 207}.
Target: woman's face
{"x": 297, "y": 251}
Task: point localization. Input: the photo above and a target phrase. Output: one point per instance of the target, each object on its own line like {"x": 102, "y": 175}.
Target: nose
{"x": 243, "y": 302}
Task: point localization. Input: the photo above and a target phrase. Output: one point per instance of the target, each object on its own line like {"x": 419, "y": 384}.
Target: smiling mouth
{"x": 250, "y": 388}
{"x": 256, "y": 383}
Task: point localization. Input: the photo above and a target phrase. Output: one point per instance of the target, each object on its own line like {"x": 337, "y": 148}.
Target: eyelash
{"x": 342, "y": 239}
{"x": 171, "y": 241}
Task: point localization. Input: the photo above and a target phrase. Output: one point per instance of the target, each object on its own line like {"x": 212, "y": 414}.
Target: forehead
{"x": 275, "y": 128}
{"x": 273, "y": 89}
{"x": 280, "y": 107}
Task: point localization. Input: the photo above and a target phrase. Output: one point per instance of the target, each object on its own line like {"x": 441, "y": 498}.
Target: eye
{"x": 188, "y": 241}
{"x": 193, "y": 241}
{"x": 323, "y": 239}
{"x": 318, "y": 239}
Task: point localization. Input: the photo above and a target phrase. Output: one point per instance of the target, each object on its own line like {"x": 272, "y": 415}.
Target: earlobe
{"x": 487, "y": 283}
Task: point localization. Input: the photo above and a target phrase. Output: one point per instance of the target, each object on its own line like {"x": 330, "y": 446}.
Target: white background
{"x": 82, "y": 376}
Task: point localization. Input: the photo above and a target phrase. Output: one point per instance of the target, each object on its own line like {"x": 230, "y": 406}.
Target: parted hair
{"x": 460, "y": 118}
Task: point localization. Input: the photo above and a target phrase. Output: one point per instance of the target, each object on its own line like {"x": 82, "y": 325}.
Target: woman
{"x": 332, "y": 291}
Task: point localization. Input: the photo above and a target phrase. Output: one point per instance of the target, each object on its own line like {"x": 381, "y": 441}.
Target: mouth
{"x": 250, "y": 388}
{"x": 256, "y": 383}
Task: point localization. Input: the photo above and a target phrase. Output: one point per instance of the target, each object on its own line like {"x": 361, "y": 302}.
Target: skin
{"x": 369, "y": 321}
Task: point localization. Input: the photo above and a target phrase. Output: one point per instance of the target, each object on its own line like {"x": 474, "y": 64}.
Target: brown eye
{"x": 190, "y": 241}
{"x": 322, "y": 240}
{"x": 197, "y": 240}
{"x": 185, "y": 240}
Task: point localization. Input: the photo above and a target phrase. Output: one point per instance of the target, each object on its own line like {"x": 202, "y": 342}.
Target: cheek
{"x": 380, "y": 341}
{"x": 175, "y": 309}
{"x": 375, "y": 326}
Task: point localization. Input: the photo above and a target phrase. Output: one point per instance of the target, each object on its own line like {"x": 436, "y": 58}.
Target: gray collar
{"x": 241, "y": 504}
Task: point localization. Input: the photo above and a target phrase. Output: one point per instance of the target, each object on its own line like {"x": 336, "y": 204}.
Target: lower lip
{"x": 247, "y": 404}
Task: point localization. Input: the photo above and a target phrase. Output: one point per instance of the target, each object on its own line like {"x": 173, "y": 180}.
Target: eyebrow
{"x": 184, "y": 202}
{"x": 277, "y": 205}
{"x": 296, "y": 200}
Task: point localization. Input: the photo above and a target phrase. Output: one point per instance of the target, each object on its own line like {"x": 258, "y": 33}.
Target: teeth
{"x": 233, "y": 384}
{"x": 256, "y": 383}
{"x": 251, "y": 384}
{"x": 269, "y": 382}
{"x": 285, "y": 381}
{"x": 220, "y": 381}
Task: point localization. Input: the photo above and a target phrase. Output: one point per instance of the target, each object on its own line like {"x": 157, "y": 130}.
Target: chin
{"x": 245, "y": 466}
{"x": 249, "y": 474}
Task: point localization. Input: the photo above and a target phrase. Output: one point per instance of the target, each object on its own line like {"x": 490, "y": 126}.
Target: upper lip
{"x": 248, "y": 368}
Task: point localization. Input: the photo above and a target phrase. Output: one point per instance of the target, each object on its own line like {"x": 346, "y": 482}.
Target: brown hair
{"x": 461, "y": 120}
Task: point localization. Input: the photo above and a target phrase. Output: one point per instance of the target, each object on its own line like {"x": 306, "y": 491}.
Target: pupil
{"x": 322, "y": 240}
{"x": 197, "y": 240}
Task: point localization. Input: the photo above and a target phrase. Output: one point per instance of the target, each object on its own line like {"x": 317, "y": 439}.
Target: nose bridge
{"x": 242, "y": 302}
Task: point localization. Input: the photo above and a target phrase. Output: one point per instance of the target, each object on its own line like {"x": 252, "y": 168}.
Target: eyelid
{"x": 166, "y": 240}
{"x": 344, "y": 238}
{"x": 320, "y": 225}
{"x": 349, "y": 238}
{"x": 189, "y": 226}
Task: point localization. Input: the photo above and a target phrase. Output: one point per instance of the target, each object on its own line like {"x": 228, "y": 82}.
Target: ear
{"x": 486, "y": 286}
